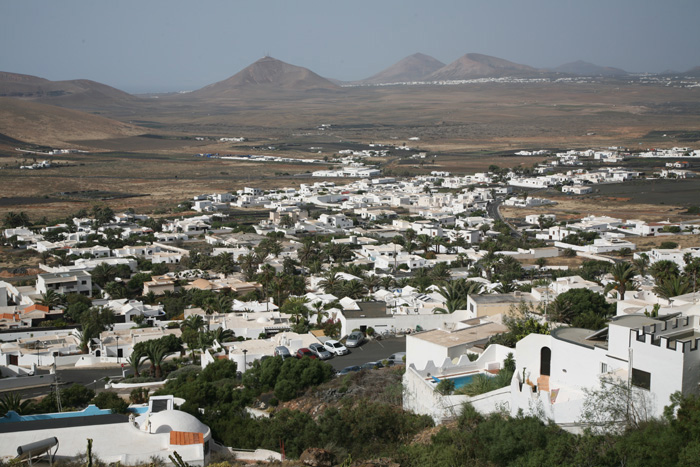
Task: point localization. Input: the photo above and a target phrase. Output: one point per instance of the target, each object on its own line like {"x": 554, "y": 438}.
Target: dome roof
{"x": 263, "y": 320}
{"x": 176, "y": 420}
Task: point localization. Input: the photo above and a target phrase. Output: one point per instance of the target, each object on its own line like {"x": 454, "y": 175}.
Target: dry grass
{"x": 683, "y": 241}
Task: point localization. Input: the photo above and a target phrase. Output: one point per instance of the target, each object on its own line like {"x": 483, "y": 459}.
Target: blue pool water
{"x": 466, "y": 379}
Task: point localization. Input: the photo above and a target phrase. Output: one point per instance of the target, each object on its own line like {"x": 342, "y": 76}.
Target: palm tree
{"x": 156, "y": 352}
{"x": 296, "y": 306}
{"x": 103, "y": 273}
{"x": 505, "y": 287}
{"x": 672, "y": 286}
{"x": 641, "y": 264}
{"x": 440, "y": 273}
{"x": 331, "y": 280}
{"x": 194, "y": 322}
{"x": 223, "y": 335}
{"x": 371, "y": 283}
{"x": 136, "y": 358}
{"x": 424, "y": 242}
{"x": 320, "y": 310}
{"x": 219, "y": 304}
{"x": 13, "y": 401}
{"x": 354, "y": 289}
{"x": 50, "y": 299}
{"x": 248, "y": 263}
{"x": 225, "y": 264}
{"x": 387, "y": 282}
{"x": 622, "y": 273}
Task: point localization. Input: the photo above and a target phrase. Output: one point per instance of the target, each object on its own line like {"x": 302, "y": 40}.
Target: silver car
{"x": 355, "y": 339}
{"x": 320, "y": 351}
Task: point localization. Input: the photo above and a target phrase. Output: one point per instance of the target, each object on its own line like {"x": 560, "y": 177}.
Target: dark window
{"x": 641, "y": 379}
{"x": 158, "y": 405}
{"x": 545, "y": 361}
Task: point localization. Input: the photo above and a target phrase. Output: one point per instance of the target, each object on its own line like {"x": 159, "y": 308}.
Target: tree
{"x": 664, "y": 269}
{"x": 672, "y": 286}
{"x": 137, "y": 358}
{"x": 156, "y": 352}
{"x": 641, "y": 264}
{"x": 110, "y": 400}
{"x": 222, "y": 335}
{"x": 94, "y": 321}
{"x": 330, "y": 282}
{"x": 615, "y": 406}
{"x": 50, "y": 299}
{"x": 585, "y": 308}
{"x": 622, "y": 273}
{"x": 14, "y": 220}
{"x": 13, "y": 401}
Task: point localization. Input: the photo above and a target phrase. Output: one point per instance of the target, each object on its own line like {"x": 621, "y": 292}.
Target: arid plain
{"x": 140, "y": 150}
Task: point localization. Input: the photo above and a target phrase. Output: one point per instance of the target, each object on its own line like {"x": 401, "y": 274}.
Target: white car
{"x": 335, "y": 347}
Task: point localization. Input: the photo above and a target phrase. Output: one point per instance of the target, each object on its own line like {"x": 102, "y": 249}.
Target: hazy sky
{"x": 168, "y": 45}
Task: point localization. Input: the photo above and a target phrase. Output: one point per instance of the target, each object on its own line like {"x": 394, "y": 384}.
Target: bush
{"x": 112, "y": 401}
{"x": 668, "y": 245}
{"x": 138, "y": 396}
{"x": 285, "y": 390}
{"x": 445, "y": 387}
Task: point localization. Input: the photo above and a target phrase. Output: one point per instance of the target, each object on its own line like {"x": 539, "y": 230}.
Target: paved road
{"x": 370, "y": 351}
{"x": 90, "y": 377}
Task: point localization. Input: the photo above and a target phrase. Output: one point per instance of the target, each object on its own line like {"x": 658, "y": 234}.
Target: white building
{"x": 65, "y": 282}
{"x": 657, "y": 357}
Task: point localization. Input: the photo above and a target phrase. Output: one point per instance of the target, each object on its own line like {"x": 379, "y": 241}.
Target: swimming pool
{"x": 462, "y": 380}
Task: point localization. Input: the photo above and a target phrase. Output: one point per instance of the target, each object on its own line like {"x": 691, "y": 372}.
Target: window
{"x": 603, "y": 367}
{"x": 641, "y": 379}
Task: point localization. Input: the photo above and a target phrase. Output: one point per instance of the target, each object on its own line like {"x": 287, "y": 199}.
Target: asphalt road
{"x": 90, "y": 377}
{"x": 370, "y": 351}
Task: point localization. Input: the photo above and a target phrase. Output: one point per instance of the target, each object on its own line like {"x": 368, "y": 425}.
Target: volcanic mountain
{"x": 80, "y": 93}
{"x": 582, "y": 68}
{"x": 38, "y": 123}
{"x": 472, "y": 66}
{"x": 412, "y": 68}
{"x": 266, "y": 74}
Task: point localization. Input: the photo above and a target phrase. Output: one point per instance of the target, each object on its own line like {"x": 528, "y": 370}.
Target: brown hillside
{"x": 49, "y": 125}
{"x": 472, "y": 66}
{"x": 72, "y": 93}
{"x": 266, "y": 74}
{"x": 412, "y": 68}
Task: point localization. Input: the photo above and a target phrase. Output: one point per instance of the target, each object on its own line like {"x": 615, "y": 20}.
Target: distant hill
{"x": 582, "y": 68}
{"x": 267, "y": 73}
{"x": 73, "y": 93}
{"x": 50, "y": 125}
{"x": 412, "y": 68}
{"x": 695, "y": 71}
{"x": 472, "y": 66}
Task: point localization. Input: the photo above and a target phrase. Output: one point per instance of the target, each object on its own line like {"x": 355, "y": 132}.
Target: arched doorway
{"x": 545, "y": 361}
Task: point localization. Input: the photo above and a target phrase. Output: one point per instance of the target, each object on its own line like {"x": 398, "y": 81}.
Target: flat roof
{"x": 634, "y": 321}
{"x": 502, "y": 298}
{"x": 578, "y": 336}
{"x": 469, "y": 335}
{"x": 66, "y": 422}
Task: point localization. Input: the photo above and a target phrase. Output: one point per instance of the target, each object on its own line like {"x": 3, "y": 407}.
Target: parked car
{"x": 283, "y": 352}
{"x": 396, "y": 358}
{"x": 304, "y": 352}
{"x": 355, "y": 339}
{"x": 348, "y": 369}
{"x": 320, "y": 351}
{"x": 371, "y": 365}
{"x": 335, "y": 347}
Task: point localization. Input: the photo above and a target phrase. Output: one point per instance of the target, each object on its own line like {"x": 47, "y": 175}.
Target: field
{"x": 143, "y": 151}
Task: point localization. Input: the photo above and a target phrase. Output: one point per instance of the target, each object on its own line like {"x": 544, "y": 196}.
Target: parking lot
{"x": 370, "y": 351}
